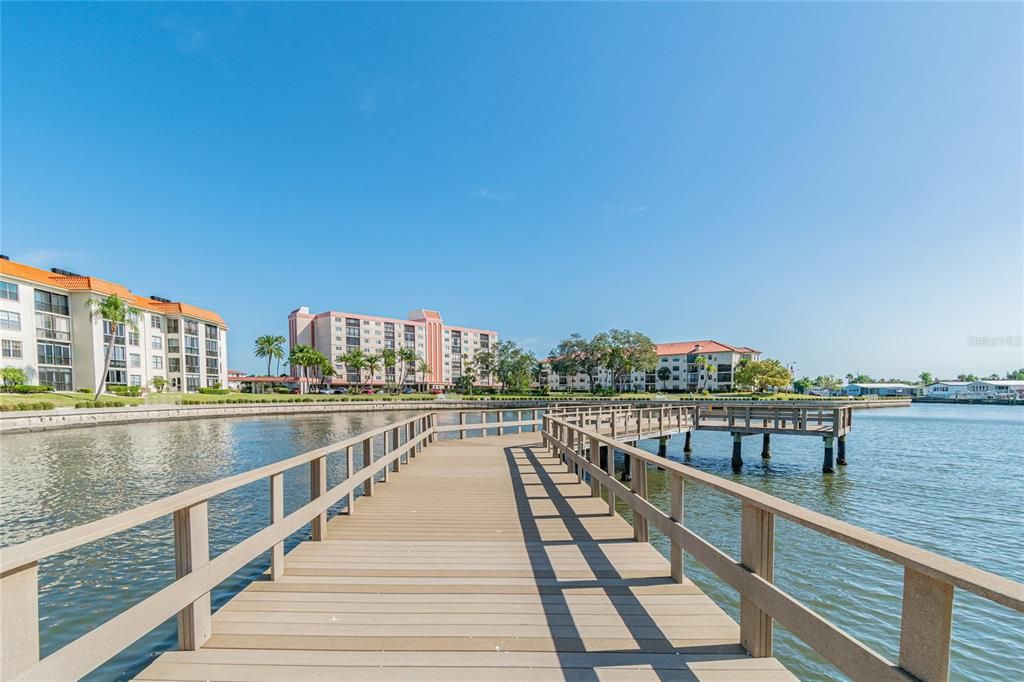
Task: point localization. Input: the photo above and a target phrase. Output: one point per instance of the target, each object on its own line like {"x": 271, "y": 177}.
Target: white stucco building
{"x": 694, "y": 366}
{"x": 46, "y": 331}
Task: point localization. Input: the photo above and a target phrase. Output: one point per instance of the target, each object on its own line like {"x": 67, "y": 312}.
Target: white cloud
{"x": 47, "y": 258}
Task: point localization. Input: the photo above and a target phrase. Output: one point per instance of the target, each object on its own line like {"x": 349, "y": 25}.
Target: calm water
{"x": 947, "y": 478}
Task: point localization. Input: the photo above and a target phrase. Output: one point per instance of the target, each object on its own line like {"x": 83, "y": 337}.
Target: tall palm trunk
{"x": 106, "y": 369}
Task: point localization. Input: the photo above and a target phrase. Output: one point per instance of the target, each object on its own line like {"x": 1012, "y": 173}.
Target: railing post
{"x": 594, "y": 455}
{"x": 676, "y": 495}
{"x": 533, "y": 418}
{"x": 926, "y": 626}
{"x": 396, "y": 438}
{"x": 349, "y": 471}
{"x": 501, "y": 421}
{"x": 638, "y": 484}
{"x": 417, "y": 428}
{"x": 192, "y": 550}
{"x": 462, "y": 424}
{"x": 367, "y": 461}
{"x": 757, "y": 556}
{"x": 19, "y": 620}
{"x": 430, "y": 426}
{"x": 389, "y": 447}
{"x": 410, "y": 434}
{"x": 318, "y": 487}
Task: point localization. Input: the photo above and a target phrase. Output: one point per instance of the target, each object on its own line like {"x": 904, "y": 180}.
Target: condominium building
{"x": 47, "y": 331}
{"x": 448, "y": 349}
{"x": 694, "y": 366}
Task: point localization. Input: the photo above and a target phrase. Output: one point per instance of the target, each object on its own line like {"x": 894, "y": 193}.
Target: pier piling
{"x": 737, "y": 451}
{"x": 687, "y": 447}
{"x": 766, "y": 446}
{"x": 663, "y": 446}
{"x": 841, "y": 454}
{"x": 627, "y": 468}
{"x": 827, "y": 466}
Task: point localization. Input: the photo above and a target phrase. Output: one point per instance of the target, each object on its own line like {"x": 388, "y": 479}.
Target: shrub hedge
{"x": 18, "y": 407}
{"x": 215, "y": 391}
{"x": 27, "y": 388}
{"x": 101, "y": 403}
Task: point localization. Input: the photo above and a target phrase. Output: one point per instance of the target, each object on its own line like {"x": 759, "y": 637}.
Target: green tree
{"x": 664, "y": 374}
{"x": 763, "y": 375}
{"x": 578, "y": 355}
{"x": 703, "y": 365}
{"x": 512, "y": 365}
{"x": 829, "y": 382}
{"x": 801, "y": 385}
{"x": 1017, "y": 374}
{"x": 271, "y": 347}
{"x": 536, "y": 372}
{"x": 627, "y": 352}
{"x": 389, "y": 358}
{"x": 305, "y": 358}
{"x": 967, "y": 377}
{"x": 926, "y": 378}
{"x": 407, "y": 359}
{"x": 13, "y": 376}
{"x": 486, "y": 363}
{"x": 112, "y": 312}
{"x": 423, "y": 369}
{"x": 464, "y": 384}
{"x": 373, "y": 364}
{"x": 355, "y": 359}
{"x": 159, "y": 383}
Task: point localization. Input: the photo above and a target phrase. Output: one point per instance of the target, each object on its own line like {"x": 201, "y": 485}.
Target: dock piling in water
{"x": 766, "y": 446}
{"x": 663, "y": 446}
{"x": 827, "y": 466}
{"x": 737, "y": 451}
{"x": 841, "y": 455}
{"x": 687, "y": 446}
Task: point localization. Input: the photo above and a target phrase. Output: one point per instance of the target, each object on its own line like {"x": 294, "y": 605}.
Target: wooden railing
{"x": 928, "y": 580}
{"x": 816, "y": 420}
{"x": 189, "y": 595}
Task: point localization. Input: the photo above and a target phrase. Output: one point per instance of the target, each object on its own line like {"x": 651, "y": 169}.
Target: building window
{"x": 173, "y": 364}
{"x": 117, "y": 376}
{"x": 51, "y": 303}
{"x": 117, "y": 358}
{"x": 158, "y": 362}
{"x": 158, "y": 343}
{"x": 9, "y": 290}
{"x": 60, "y": 379}
{"x": 212, "y": 366}
{"x": 191, "y": 327}
{"x": 192, "y": 345}
{"x": 135, "y": 360}
{"x": 109, "y": 329}
{"x": 11, "y": 349}
{"x": 155, "y": 322}
{"x": 212, "y": 332}
{"x": 133, "y": 338}
{"x": 212, "y": 348}
{"x": 212, "y": 382}
{"x": 172, "y": 326}
{"x": 192, "y": 364}
{"x": 54, "y": 354}
{"x": 135, "y": 379}
{"x": 10, "y": 321}
{"x": 173, "y": 345}
{"x": 192, "y": 382}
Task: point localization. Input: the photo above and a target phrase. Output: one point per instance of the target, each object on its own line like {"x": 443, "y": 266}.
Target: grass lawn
{"x": 59, "y": 399}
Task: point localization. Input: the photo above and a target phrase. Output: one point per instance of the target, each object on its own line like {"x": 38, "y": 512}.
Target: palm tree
{"x": 704, "y": 367}
{"x": 406, "y": 356}
{"x": 354, "y": 359}
{"x": 373, "y": 364}
{"x": 388, "y": 358}
{"x": 110, "y": 310}
{"x": 271, "y": 347}
{"x": 664, "y": 373}
{"x": 423, "y": 368}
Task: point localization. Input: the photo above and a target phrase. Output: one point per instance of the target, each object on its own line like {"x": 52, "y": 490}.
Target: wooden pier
{"x": 477, "y": 558}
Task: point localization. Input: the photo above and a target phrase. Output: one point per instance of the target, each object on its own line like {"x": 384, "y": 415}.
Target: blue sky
{"x": 838, "y": 185}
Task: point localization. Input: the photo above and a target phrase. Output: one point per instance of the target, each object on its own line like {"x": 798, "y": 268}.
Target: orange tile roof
{"x": 706, "y": 346}
{"x": 102, "y": 286}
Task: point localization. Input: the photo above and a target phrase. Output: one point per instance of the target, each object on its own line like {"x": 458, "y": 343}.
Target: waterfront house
{"x": 996, "y": 389}
{"x": 880, "y": 389}
{"x": 946, "y": 389}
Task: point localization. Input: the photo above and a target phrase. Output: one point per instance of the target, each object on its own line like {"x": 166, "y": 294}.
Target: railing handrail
{"x": 983, "y": 583}
{"x": 20, "y": 555}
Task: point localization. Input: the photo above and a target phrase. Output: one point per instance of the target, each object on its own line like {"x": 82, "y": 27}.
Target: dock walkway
{"x": 483, "y": 560}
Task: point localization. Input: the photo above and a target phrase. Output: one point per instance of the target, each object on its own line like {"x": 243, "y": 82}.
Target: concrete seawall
{"x": 67, "y": 418}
